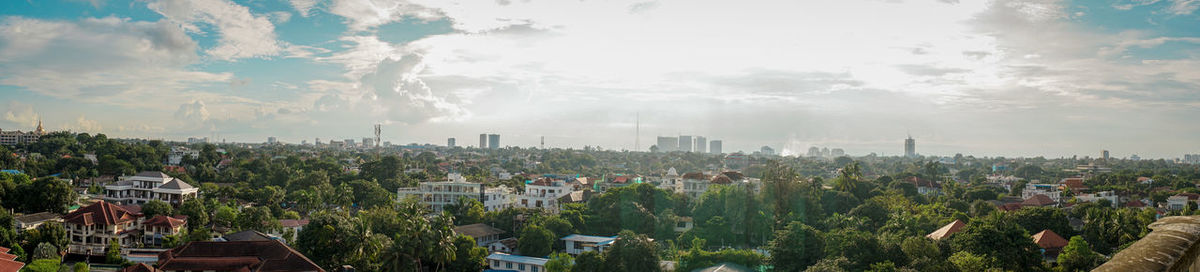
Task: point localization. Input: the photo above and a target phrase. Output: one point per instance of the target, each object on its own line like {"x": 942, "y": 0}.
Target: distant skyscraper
{"x": 701, "y": 144}
{"x": 685, "y": 143}
{"x": 483, "y": 141}
{"x": 450, "y": 143}
{"x": 271, "y": 140}
{"x": 493, "y": 141}
{"x": 714, "y": 147}
{"x": 378, "y": 130}
{"x": 350, "y": 143}
{"x": 368, "y": 142}
{"x": 910, "y": 147}
{"x": 767, "y": 150}
{"x": 825, "y": 152}
{"x": 1104, "y": 154}
{"x": 837, "y": 152}
{"x": 668, "y": 144}
{"x": 814, "y": 152}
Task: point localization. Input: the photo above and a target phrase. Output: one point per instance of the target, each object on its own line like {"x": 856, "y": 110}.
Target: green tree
{"x": 997, "y": 236}
{"x": 1036, "y": 219}
{"x": 81, "y": 267}
{"x": 536, "y": 241}
{"x": 467, "y": 256}
{"x": 796, "y": 247}
{"x": 589, "y": 261}
{"x": 257, "y": 218}
{"x": 225, "y": 216}
{"x": 43, "y": 265}
{"x": 196, "y": 212}
{"x": 46, "y": 251}
{"x": 560, "y": 262}
{"x": 1078, "y": 256}
{"x": 632, "y": 252}
{"x": 467, "y": 211}
{"x": 156, "y": 207}
{"x": 966, "y": 261}
{"x": 113, "y": 254}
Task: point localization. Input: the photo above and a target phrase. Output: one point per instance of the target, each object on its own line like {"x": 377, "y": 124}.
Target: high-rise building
{"x": 483, "y": 141}
{"x": 368, "y": 142}
{"x": 910, "y": 147}
{"x": 767, "y": 150}
{"x": 668, "y": 144}
{"x": 450, "y": 143}
{"x": 271, "y": 140}
{"x": 814, "y": 152}
{"x": 714, "y": 147}
{"x": 685, "y": 143}
{"x": 825, "y": 152}
{"x": 493, "y": 141}
{"x": 350, "y": 143}
{"x": 701, "y": 144}
{"x": 1104, "y": 154}
{"x": 837, "y": 152}
{"x": 1191, "y": 158}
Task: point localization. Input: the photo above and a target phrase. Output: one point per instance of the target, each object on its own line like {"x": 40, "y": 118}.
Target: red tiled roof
{"x": 1135, "y": 204}
{"x": 1074, "y": 183}
{"x": 101, "y": 213}
{"x": 1038, "y": 200}
{"x": 1143, "y": 179}
{"x": 140, "y": 267}
{"x": 1190, "y": 196}
{"x": 269, "y": 255}
{"x": 10, "y": 266}
{"x": 6, "y": 256}
{"x": 162, "y": 220}
{"x": 721, "y": 179}
{"x": 734, "y": 175}
{"x": 695, "y": 175}
{"x": 620, "y": 179}
{"x": 946, "y": 230}
{"x": 4, "y": 250}
{"x": 541, "y": 182}
{"x": 1048, "y": 239}
{"x": 292, "y": 223}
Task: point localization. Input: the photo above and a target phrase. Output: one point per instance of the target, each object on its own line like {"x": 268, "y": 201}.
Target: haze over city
{"x": 984, "y": 78}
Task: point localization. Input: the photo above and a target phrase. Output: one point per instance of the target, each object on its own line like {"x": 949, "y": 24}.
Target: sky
{"x": 1028, "y": 78}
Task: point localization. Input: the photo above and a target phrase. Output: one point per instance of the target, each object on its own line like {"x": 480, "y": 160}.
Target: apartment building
{"x": 149, "y": 185}
{"x": 438, "y": 194}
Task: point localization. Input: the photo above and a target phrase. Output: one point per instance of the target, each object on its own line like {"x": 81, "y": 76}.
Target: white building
{"x": 438, "y": 194}
{"x": 1050, "y": 190}
{"x": 577, "y": 244}
{"x": 1179, "y": 202}
{"x": 1093, "y": 197}
{"x": 507, "y": 262}
{"x": 695, "y": 184}
{"x": 149, "y": 185}
{"x": 179, "y": 152}
{"x": 18, "y": 137}
{"x": 543, "y": 194}
{"x": 671, "y": 181}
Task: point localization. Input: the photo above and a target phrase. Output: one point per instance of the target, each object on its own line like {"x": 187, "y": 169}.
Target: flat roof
{"x": 518, "y": 259}
{"x": 588, "y": 238}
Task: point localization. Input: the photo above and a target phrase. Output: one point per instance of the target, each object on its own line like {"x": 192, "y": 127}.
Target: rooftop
{"x": 588, "y": 238}
{"x": 518, "y": 259}
{"x": 37, "y": 217}
{"x": 235, "y": 256}
{"x": 477, "y": 230}
{"x": 101, "y": 213}
{"x": 946, "y": 230}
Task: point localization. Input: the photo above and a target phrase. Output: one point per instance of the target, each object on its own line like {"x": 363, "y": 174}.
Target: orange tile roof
{"x": 10, "y": 266}
{"x": 947, "y": 230}
{"x": 102, "y": 213}
{"x": 1048, "y": 239}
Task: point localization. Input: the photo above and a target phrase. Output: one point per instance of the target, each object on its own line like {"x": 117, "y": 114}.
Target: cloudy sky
{"x": 986, "y": 78}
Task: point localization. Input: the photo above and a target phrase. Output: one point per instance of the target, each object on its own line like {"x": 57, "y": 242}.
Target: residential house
{"x": 1075, "y": 185}
{"x": 269, "y": 255}
{"x": 1093, "y": 197}
{"x": 484, "y": 234}
{"x": 683, "y": 224}
{"x": 90, "y": 229}
{"x": 947, "y": 230}
{"x": 31, "y": 221}
{"x": 149, "y": 185}
{"x": 925, "y": 186}
{"x": 1051, "y": 244}
{"x": 617, "y": 181}
{"x": 438, "y": 194}
{"x": 695, "y": 184}
{"x": 671, "y": 181}
{"x": 1039, "y": 201}
{"x": 1050, "y": 190}
{"x": 543, "y": 193}
{"x": 296, "y": 225}
{"x": 508, "y": 262}
{"x": 506, "y": 245}
{"x": 1180, "y": 201}
{"x": 154, "y": 229}
{"x": 577, "y": 244}
{"x": 8, "y": 261}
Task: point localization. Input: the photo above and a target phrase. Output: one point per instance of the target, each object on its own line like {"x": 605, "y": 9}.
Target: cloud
{"x": 1183, "y": 7}
{"x": 83, "y": 124}
{"x": 107, "y": 60}
{"x": 366, "y": 14}
{"x": 194, "y": 112}
{"x": 22, "y": 114}
{"x": 242, "y": 34}
{"x": 398, "y": 91}
{"x": 304, "y": 7}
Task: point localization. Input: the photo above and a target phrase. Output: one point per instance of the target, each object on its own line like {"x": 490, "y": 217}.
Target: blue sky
{"x": 989, "y": 78}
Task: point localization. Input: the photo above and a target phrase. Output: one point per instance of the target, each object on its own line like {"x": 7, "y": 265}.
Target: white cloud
{"x": 304, "y": 7}
{"x": 242, "y": 34}
{"x": 82, "y": 124}
{"x": 1183, "y": 7}
{"x": 366, "y": 14}
{"x": 22, "y": 114}
{"x": 195, "y": 112}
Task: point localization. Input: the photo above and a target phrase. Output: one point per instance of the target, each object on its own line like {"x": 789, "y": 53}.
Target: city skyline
{"x": 971, "y": 77}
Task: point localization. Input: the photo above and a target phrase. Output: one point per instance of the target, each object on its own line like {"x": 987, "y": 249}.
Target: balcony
{"x": 1171, "y": 246}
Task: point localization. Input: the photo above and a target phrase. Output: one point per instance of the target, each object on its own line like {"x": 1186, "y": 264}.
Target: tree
{"x": 46, "y": 251}
{"x": 1036, "y": 219}
{"x": 966, "y": 261}
{"x": 467, "y": 256}
{"x": 632, "y": 252}
{"x": 589, "y": 261}
{"x": 156, "y": 207}
{"x": 225, "y": 216}
{"x": 113, "y": 254}
{"x": 52, "y": 233}
{"x": 795, "y": 247}
{"x": 560, "y": 262}
{"x": 257, "y": 218}
{"x": 81, "y": 267}
{"x": 536, "y": 241}
{"x": 197, "y": 214}
{"x": 1078, "y": 256}
{"x": 45, "y": 195}
{"x": 43, "y": 265}
{"x": 467, "y": 211}
{"x": 997, "y": 236}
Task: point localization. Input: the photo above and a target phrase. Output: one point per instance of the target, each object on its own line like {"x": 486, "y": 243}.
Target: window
{"x": 508, "y": 265}
{"x": 521, "y": 267}
{"x": 535, "y": 269}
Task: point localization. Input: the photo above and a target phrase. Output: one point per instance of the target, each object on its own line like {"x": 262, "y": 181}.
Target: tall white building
{"x": 668, "y": 144}
{"x": 149, "y": 185}
{"x": 543, "y": 194}
{"x": 272, "y": 140}
{"x": 493, "y": 141}
{"x": 701, "y": 144}
{"x": 714, "y": 147}
{"x": 685, "y": 143}
{"x": 450, "y": 142}
{"x": 438, "y": 194}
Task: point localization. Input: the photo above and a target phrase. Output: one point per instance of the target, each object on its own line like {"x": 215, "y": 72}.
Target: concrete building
{"x": 668, "y": 144}
{"x": 578, "y": 244}
{"x": 18, "y": 137}
{"x": 90, "y": 229}
{"x": 368, "y": 142}
{"x": 507, "y": 262}
{"x": 272, "y": 140}
{"x": 837, "y": 152}
{"x": 483, "y": 141}
{"x": 149, "y": 185}
{"x": 685, "y": 143}
{"x": 26, "y": 222}
{"x": 1050, "y": 190}
{"x": 484, "y": 234}
{"x": 767, "y": 151}
{"x": 543, "y": 194}
{"x": 493, "y": 141}
{"x": 701, "y": 145}
{"x": 1097, "y": 196}
{"x": 814, "y": 152}
{"x": 438, "y": 194}
{"x": 714, "y": 147}
{"x": 910, "y": 147}
{"x": 450, "y": 142}
{"x": 1104, "y": 154}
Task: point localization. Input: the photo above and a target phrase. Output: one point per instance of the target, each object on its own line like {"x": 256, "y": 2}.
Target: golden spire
{"x": 39, "y": 128}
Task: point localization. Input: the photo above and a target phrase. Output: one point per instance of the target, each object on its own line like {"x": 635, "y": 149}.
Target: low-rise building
{"x": 484, "y": 234}
{"x": 18, "y": 137}
{"x": 1051, "y": 244}
{"x": 160, "y": 226}
{"x": 271, "y": 255}
{"x": 1050, "y": 190}
{"x": 147, "y": 186}
{"x": 543, "y": 193}
{"x": 577, "y": 244}
{"x": 506, "y": 245}
{"x": 695, "y": 184}
{"x": 90, "y": 229}
{"x": 1180, "y": 201}
{"x": 31, "y": 221}
{"x": 508, "y": 262}
{"x": 438, "y": 194}
{"x": 1097, "y": 196}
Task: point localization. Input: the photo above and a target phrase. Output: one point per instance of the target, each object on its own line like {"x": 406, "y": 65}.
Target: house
{"x": 484, "y": 234}
{"x": 926, "y": 187}
{"x": 543, "y": 193}
{"x": 683, "y": 224}
{"x": 1051, "y": 244}
{"x": 1145, "y": 180}
{"x": 617, "y": 181}
{"x": 270, "y": 255}
{"x": 8, "y": 261}
{"x": 89, "y": 229}
{"x": 577, "y": 244}
{"x": 695, "y": 184}
{"x": 1049, "y": 190}
{"x": 246, "y": 236}
{"x": 1074, "y": 184}
{"x": 1093, "y": 197}
{"x": 31, "y": 221}
{"x": 438, "y": 194}
{"x": 154, "y": 229}
{"x": 508, "y": 262}
{"x": 149, "y": 185}
{"x": 947, "y": 230}
{"x": 1039, "y": 201}
{"x": 1180, "y": 201}
{"x": 671, "y": 181}
{"x": 506, "y": 245}
{"x": 296, "y": 225}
